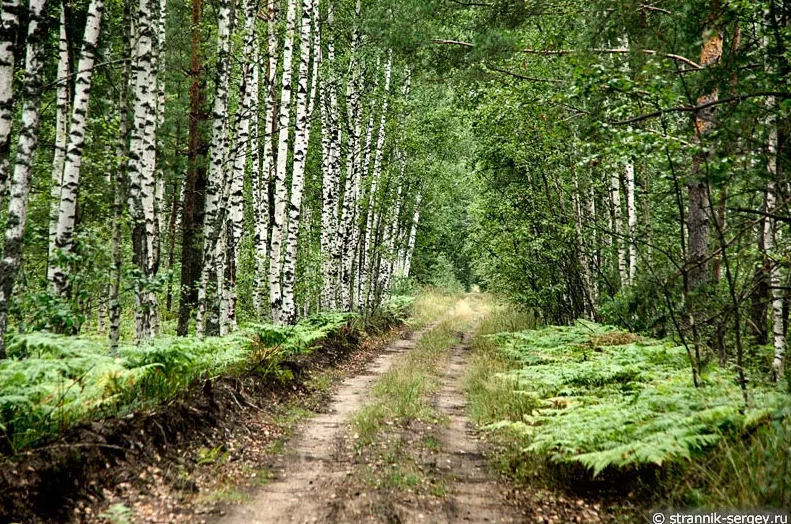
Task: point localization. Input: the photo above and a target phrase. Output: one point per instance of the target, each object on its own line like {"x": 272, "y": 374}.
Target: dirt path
{"x": 327, "y": 479}
{"x": 298, "y": 493}
{"x": 474, "y": 495}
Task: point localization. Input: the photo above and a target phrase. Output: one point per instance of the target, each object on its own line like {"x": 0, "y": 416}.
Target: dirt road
{"x": 325, "y": 477}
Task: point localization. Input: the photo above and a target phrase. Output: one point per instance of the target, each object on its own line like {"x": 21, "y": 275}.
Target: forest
{"x": 591, "y": 196}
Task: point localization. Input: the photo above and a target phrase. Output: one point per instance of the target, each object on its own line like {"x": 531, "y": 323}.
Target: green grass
{"x": 403, "y": 392}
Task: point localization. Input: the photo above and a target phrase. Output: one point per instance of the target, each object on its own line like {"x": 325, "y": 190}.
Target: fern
{"x": 620, "y": 406}
{"x": 53, "y": 381}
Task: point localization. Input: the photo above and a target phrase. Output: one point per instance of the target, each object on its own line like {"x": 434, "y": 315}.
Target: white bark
{"x": 284, "y": 122}
{"x": 16, "y": 217}
{"x": 375, "y": 176}
{"x": 412, "y": 235}
{"x": 267, "y": 166}
{"x": 771, "y": 238}
{"x": 219, "y": 147}
{"x": 160, "y": 188}
{"x": 301, "y": 140}
{"x": 9, "y": 22}
{"x": 63, "y": 101}
{"x": 631, "y": 219}
{"x": 248, "y": 90}
{"x": 70, "y": 182}
{"x": 617, "y": 233}
{"x": 330, "y": 175}
{"x": 142, "y": 167}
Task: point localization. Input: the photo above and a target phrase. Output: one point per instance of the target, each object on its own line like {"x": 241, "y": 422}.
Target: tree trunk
{"x": 194, "y": 182}
{"x": 9, "y": 25}
{"x": 235, "y": 222}
{"x": 284, "y": 122}
{"x": 412, "y": 235}
{"x": 301, "y": 141}
{"x": 67, "y": 209}
{"x": 631, "y": 220}
{"x": 330, "y": 175}
{"x": 617, "y": 236}
{"x": 16, "y": 217}
{"x": 63, "y": 102}
{"x": 698, "y": 215}
{"x": 142, "y": 167}
{"x": 267, "y": 167}
{"x": 208, "y": 290}
{"x": 120, "y": 184}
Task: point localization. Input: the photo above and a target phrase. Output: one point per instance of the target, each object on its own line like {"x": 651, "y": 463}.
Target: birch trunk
{"x": 330, "y": 174}
{"x": 9, "y": 24}
{"x": 267, "y": 165}
{"x": 142, "y": 167}
{"x": 67, "y": 209}
{"x": 160, "y": 175}
{"x": 631, "y": 220}
{"x": 119, "y": 188}
{"x": 412, "y": 235}
{"x": 63, "y": 102}
{"x": 301, "y": 141}
{"x": 617, "y": 236}
{"x": 16, "y": 217}
{"x": 284, "y": 122}
{"x": 771, "y": 238}
{"x": 235, "y": 222}
{"x": 219, "y": 145}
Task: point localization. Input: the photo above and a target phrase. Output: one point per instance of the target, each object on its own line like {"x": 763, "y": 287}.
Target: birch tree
{"x": 281, "y": 191}
{"x": 9, "y": 23}
{"x": 235, "y": 196}
{"x": 70, "y": 181}
{"x": 301, "y": 141}
{"x": 219, "y": 144}
{"x": 142, "y": 168}
{"x": 19, "y": 195}
{"x": 261, "y": 196}
{"x": 62, "y": 105}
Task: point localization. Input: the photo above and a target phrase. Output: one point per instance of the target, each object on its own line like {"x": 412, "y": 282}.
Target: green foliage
{"x": 603, "y": 398}
{"x": 52, "y": 382}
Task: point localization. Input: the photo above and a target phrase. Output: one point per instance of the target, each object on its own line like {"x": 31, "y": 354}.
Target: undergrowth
{"x": 52, "y": 382}
{"x": 592, "y": 396}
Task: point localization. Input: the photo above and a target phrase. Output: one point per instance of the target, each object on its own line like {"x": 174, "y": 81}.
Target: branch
{"x": 654, "y": 8}
{"x": 692, "y": 109}
{"x": 614, "y": 51}
{"x": 522, "y": 77}
{"x": 452, "y": 42}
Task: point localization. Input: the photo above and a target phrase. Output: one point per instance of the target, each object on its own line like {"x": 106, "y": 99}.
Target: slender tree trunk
{"x": 194, "y": 182}
{"x": 281, "y": 196}
{"x": 120, "y": 184}
{"x": 9, "y": 25}
{"x": 771, "y": 238}
{"x": 16, "y": 217}
{"x": 698, "y": 214}
{"x": 267, "y": 165}
{"x": 63, "y": 102}
{"x": 618, "y": 237}
{"x": 301, "y": 141}
{"x": 67, "y": 209}
{"x": 160, "y": 174}
{"x": 235, "y": 222}
{"x": 142, "y": 168}
{"x": 412, "y": 235}
{"x": 330, "y": 149}
{"x": 209, "y": 288}
{"x": 631, "y": 220}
